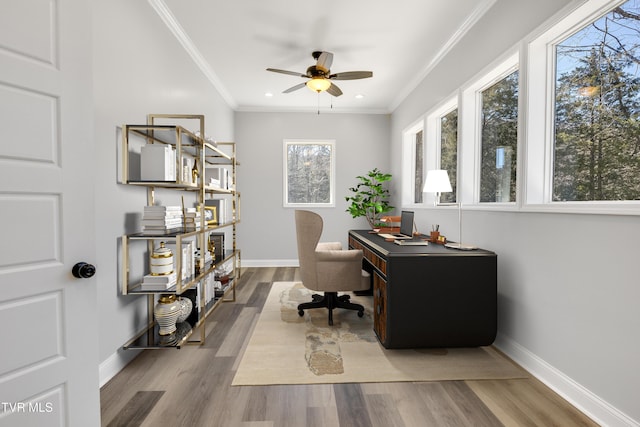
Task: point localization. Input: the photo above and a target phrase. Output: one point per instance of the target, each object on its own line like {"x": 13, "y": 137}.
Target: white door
{"x": 49, "y": 354}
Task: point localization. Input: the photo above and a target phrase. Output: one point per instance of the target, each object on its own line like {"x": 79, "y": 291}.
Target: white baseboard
{"x": 590, "y": 404}
{"x": 270, "y": 263}
{"x": 115, "y": 363}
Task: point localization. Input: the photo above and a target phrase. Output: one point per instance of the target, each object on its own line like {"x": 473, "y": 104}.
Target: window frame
{"x": 470, "y": 133}
{"x": 433, "y": 149}
{"x": 285, "y": 187}
{"x": 409, "y": 158}
{"x": 540, "y": 107}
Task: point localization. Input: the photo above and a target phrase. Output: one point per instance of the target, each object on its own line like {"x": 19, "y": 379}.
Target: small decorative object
{"x": 166, "y": 313}
{"x": 195, "y": 173}
{"x": 161, "y": 262}
{"x": 186, "y": 305}
{"x": 370, "y": 197}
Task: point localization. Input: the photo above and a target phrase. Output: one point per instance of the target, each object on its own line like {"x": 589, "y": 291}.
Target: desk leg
{"x": 380, "y": 307}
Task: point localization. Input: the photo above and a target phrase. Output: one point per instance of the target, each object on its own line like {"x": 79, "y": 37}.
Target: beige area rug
{"x": 288, "y": 349}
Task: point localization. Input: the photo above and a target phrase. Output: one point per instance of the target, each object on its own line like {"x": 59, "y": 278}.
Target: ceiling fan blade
{"x": 351, "y": 75}
{"x": 291, "y": 73}
{"x": 334, "y": 90}
{"x": 296, "y": 87}
{"x": 324, "y": 61}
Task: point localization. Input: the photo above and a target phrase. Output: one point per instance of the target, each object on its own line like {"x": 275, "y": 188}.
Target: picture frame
{"x": 218, "y": 242}
{"x": 210, "y": 215}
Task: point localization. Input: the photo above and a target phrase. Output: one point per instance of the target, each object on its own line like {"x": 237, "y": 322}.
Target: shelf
{"x": 150, "y": 339}
{"x": 188, "y": 283}
{"x": 170, "y": 157}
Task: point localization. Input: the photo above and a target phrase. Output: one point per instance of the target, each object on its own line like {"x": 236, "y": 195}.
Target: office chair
{"x": 327, "y": 268}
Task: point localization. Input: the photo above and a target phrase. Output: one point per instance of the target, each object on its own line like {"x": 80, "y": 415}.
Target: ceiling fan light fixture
{"x": 318, "y": 84}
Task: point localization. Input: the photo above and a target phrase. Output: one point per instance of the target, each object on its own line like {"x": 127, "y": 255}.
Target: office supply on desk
{"x": 406, "y": 227}
{"x": 417, "y": 242}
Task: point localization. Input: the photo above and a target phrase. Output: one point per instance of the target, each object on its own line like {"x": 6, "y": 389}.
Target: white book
{"x": 157, "y": 162}
{"x": 156, "y": 286}
{"x": 160, "y": 280}
{"x": 156, "y": 208}
{"x": 162, "y": 222}
{"x": 162, "y": 215}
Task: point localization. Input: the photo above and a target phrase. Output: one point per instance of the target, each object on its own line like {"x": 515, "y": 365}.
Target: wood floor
{"x": 192, "y": 387}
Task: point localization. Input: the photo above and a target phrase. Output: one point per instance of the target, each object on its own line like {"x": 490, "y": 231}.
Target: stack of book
{"x": 158, "y": 283}
{"x": 219, "y": 177}
{"x": 191, "y": 220}
{"x": 158, "y": 220}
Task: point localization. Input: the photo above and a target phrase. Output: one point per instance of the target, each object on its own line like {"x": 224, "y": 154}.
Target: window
{"x": 597, "y": 110}
{"x": 499, "y": 140}
{"x": 418, "y": 175}
{"x": 449, "y": 152}
{"x": 413, "y": 164}
{"x": 442, "y": 146}
{"x": 309, "y": 173}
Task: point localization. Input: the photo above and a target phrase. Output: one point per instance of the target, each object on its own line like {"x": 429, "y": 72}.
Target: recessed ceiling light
{"x": 268, "y": 94}
{"x": 359, "y": 96}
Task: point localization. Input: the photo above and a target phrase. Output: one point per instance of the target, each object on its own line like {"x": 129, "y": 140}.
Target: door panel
{"x": 49, "y": 355}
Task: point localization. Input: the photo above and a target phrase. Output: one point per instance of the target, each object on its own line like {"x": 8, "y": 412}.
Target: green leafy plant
{"x": 370, "y": 197}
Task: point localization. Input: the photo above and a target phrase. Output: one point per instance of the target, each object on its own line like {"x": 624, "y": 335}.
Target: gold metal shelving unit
{"x": 193, "y": 145}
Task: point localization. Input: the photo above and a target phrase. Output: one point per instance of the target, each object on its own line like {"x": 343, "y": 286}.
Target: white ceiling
{"x": 233, "y": 42}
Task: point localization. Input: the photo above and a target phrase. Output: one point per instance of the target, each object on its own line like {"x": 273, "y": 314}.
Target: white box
{"x": 158, "y": 163}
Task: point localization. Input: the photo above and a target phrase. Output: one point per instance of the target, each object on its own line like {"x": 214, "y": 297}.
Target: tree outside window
{"x": 499, "y": 141}
{"x": 597, "y": 110}
{"x": 418, "y": 167}
{"x": 309, "y": 172}
{"x": 449, "y": 152}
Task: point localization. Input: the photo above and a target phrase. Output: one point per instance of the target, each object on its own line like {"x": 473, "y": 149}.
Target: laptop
{"x": 406, "y": 228}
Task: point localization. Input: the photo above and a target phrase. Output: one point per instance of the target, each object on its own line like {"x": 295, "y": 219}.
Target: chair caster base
{"x": 330, "y": 300}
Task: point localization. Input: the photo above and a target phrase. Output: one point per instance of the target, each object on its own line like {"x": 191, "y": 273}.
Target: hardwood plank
{"x": 351, "y": 404}
{"x": 407, "y": 399}
{"x": 474, "y": 411}
{"x": 137, "y": 409}
{"x": 286, "y": 405}
{"x": 442, "y": 408}
{"x": 259, "y": 295}
{"x": 528, "y": 403}
{"x": 383, "y": 411}
{"x": 236, "y": 334}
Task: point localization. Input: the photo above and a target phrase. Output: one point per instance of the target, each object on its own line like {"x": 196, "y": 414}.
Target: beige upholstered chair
{"x": 326, "y": 267}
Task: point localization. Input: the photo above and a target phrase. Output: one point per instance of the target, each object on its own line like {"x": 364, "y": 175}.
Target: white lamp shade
{"x": 437, "y": 182}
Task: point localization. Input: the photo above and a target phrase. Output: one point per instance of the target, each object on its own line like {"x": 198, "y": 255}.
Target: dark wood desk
{"x": 430, "y": 296}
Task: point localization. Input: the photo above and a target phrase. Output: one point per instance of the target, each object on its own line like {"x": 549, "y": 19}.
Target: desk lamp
{"x": 437, "y": 181}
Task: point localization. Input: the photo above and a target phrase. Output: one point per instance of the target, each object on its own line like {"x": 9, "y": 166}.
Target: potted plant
{"x": 370, "y": 197}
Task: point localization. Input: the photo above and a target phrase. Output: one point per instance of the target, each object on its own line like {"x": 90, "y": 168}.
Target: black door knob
{"x": 83, "y": 270}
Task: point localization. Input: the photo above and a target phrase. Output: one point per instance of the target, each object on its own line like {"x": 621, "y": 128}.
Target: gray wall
{"x": 267, "y": 232}
{"x": 139, "y": 68}
{"x": 567, "y": 295}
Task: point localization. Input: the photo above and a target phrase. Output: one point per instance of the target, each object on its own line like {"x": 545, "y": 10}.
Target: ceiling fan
{"x": 320, "y": 76}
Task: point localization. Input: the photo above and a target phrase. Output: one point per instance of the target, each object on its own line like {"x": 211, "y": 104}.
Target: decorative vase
{"x": 161, "y": 262}
{"x": 186, "y": 305}
{"x": 166, "y": 313}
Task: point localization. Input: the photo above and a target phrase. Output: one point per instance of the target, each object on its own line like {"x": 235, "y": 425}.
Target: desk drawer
{"x": 369, "y": 255}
